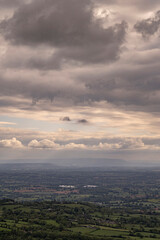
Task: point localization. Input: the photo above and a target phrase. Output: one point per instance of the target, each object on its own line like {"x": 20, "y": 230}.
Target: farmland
{"x": 138, "y": 188}
{"x": 81, "y": 204}
{"x": 54, "y": 220}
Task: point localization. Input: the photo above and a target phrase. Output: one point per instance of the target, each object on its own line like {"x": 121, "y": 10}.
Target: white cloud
{"x": 120, "y": 144}
{"x": 11, "y": 143}
{"x": 123, "y": 144}
{"x": 75, "y": 146}
{"x": 43, "y": 144}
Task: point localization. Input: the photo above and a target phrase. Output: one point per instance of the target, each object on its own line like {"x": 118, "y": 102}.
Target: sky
{"x": 80, "y": 79}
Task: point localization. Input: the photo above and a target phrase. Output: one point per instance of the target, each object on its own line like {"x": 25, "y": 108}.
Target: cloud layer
{"x": 110, "y": 144}
{"x": 80, "y": 76}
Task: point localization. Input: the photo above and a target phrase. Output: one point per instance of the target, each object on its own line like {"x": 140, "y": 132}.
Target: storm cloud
{"x": 10, "y": 3}
{"x": 150, "y": 26}
{"x": 68, "y": 26}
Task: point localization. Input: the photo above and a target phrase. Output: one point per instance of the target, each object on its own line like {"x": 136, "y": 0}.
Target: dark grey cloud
{"x": 149, "y": 26}
{"x": 22, "y": 60}
{"x": 36, "y": 87}
{"x": 10, "y": 3}
{"x": 70, "y": 31}
{"x": 83, "y": 121}
{"x": 66, "y": 119}
{"x": 134, "y": 86}
{"x": 69, "y": 26}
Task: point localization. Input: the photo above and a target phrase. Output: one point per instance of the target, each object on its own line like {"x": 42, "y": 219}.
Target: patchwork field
{"x": 54, "y": 220}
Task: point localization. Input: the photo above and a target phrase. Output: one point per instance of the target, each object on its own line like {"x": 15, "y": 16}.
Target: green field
{"x": 64, "y": 221}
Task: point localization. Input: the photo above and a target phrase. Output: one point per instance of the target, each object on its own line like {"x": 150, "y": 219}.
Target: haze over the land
{"x": 80, "y": 79}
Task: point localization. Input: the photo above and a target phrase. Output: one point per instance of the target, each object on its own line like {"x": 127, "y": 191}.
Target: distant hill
{"x": 92, "y": 162}
{"x": 75, "y": 163}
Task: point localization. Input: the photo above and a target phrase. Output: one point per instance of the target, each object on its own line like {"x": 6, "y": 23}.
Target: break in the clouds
{"x": 80, "y": 76}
